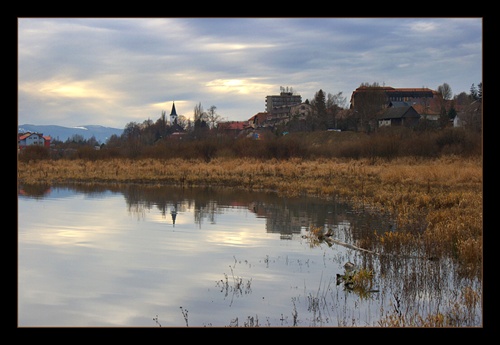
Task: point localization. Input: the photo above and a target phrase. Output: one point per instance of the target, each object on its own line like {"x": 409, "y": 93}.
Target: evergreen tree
{"x": 319, "y": 118}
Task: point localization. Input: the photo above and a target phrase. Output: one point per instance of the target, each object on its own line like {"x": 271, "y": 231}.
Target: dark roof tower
{"x": 173, "y": 115}
{"x": 173, "y": 112}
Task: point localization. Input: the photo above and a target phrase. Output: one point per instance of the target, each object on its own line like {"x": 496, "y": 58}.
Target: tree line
{"x": 202, "y": 137}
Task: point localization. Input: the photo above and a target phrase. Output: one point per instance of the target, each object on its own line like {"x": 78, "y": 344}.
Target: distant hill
{"x": 100, "y": 133}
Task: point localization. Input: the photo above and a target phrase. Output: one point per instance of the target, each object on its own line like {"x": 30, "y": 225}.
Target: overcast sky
{"x": 110, "y": 72}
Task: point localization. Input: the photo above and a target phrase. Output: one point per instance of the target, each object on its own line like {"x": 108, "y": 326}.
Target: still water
{"x": 158, "y": 256}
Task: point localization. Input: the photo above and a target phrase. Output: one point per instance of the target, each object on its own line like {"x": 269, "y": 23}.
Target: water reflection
{"x": 34, "y": 191}
{"x": 284, "y": 216}
{"x": 148, "y": 255}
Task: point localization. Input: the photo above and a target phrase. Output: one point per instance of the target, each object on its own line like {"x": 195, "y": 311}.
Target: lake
{"x": 126, "y": 255}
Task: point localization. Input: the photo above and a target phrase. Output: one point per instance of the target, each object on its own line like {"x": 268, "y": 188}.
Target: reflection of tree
{"x": 289, "y": 216}
{"x": 286, "y": 216}
{"x": 205, "y": 209}
{"x": 34, "y": 190}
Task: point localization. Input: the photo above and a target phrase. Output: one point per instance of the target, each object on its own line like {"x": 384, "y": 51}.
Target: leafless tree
{"x": 368, "y": 105}
{"x": 182, "y": 121}
{"x": 198, "y": 112}
{"x": 445, "y": 91}
{"x": 212, "y": 117}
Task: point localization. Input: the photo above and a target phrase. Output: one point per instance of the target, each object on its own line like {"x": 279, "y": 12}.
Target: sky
{"x": 114, "y": 71}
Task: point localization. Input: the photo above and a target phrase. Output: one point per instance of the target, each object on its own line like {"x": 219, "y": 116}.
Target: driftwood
{"x": 328, "y": 238}
{"x": 347, "y": 245}
{"x": 331, "y": 241}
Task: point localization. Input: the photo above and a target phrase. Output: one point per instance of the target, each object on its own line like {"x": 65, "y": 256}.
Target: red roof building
{"x": 28, "y": 139}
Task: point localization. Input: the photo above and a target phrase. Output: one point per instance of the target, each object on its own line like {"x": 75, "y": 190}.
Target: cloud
{"x": 112, "y": 71}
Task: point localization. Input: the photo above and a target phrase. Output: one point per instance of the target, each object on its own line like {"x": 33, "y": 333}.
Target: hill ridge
{"x": 62, "y": 133}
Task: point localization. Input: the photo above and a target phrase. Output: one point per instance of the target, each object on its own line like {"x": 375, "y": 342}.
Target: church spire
{"x": 173, "y": 115}
{"x": 173, "y": 112}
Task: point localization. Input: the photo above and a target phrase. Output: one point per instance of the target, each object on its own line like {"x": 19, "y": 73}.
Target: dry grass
{"x": 456, "y": 316}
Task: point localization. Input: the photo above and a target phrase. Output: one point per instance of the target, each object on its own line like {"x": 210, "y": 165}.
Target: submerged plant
{"x": 359, "y": 281}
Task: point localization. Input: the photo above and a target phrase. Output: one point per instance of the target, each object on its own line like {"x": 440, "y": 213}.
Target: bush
{"x": 389, "y": 143}
{"x": 34, "y": 153}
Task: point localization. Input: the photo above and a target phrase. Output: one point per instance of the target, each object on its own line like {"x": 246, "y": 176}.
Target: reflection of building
{"x": 279, "y": 219}
{"x": 288, "y": 217}
{"x": 35, "y": 190}
{"x": 173, "y": 213}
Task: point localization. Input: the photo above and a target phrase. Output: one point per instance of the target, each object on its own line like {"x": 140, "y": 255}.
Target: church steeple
{"x": 173, "y": 114}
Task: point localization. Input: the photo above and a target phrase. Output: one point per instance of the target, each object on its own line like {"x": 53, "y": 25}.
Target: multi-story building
{"x": 286, "y": 98}
{"x": 280, "y": 108}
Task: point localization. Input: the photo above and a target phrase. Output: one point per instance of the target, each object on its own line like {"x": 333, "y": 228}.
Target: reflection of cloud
{"x": 84, "y": 261}
{"x": 242, "y": 237}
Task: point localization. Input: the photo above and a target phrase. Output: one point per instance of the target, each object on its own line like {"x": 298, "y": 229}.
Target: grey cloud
{"x": 146, "y": 61}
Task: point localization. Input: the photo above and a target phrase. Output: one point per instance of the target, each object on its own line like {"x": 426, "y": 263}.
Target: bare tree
{"x": 212, "y": 117}
{"x": 445, "y": 91}
{"x": 334, "y": 103}
{"x": 368, "y": 105}
{"x": 198, "y": 112}
{"x": 462, "y": 99}
{"x": 182, "y": 121}
{"x": 200, "y": 118}
{"x": 338, "y": 99}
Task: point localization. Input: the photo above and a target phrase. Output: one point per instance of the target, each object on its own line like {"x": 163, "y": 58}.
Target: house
{"x": 258, "y": 119}
{"x": 470, "y": 116}
{"x": 397, "y": 104}
{"x": 301, "y": 110}
{"x": 232, "y": 127}
{"x": 399, "y": 116}
{"x": 28, "y": 139}
{"x": 425, "y": 112}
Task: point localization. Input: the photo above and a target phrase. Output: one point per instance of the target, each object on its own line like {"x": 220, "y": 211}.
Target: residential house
{"x": 258, "y": 120}
{"x": 302, "y": 110}
{"x": 234, "y": 128}
{"x": 425, "y": 112}
{"x": 470, "y": 116}
{"x": 28, "y": 139}
{"x": 399, "y": 116}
